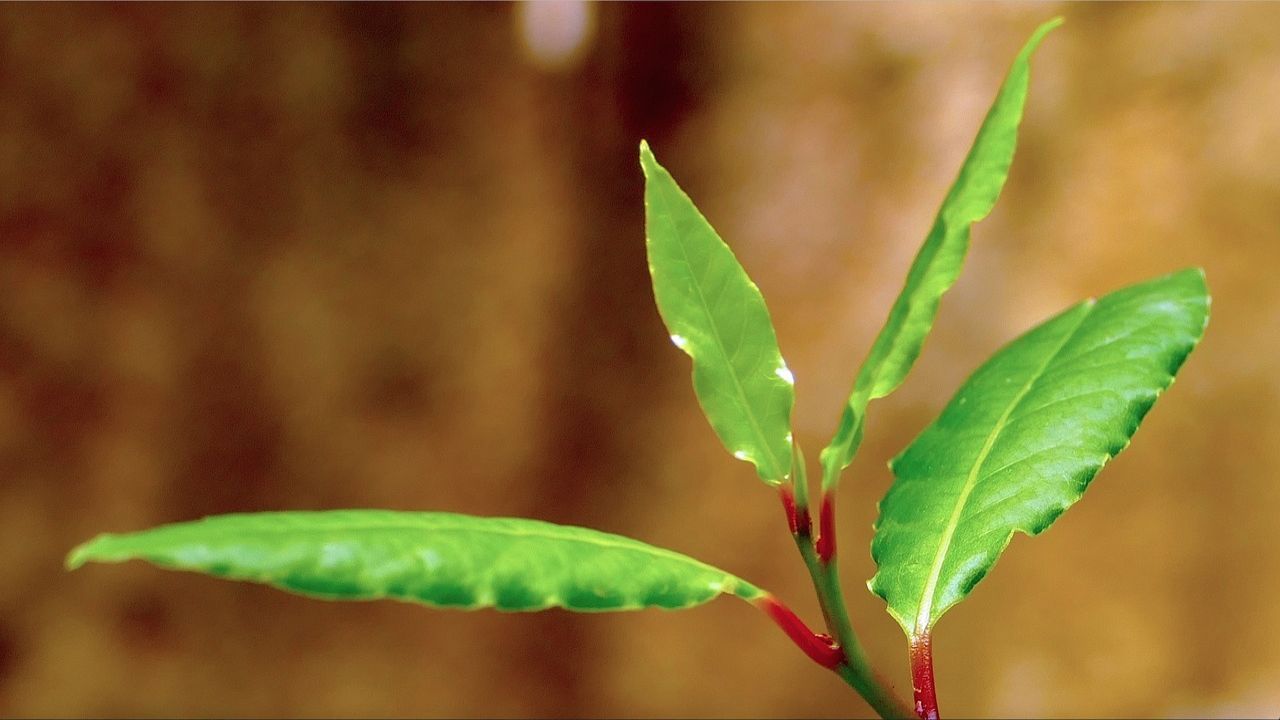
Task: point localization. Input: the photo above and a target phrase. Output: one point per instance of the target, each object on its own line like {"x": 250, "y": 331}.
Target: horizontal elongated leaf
{"x": 938, "y": 263}
{"x": 438, "y": 559}
{"x": 717, "y": 316}
{"x": 1023, "y": 437}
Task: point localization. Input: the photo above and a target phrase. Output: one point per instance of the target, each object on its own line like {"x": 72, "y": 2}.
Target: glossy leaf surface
{"x": 717, "y": 316}
{"x": 938, "y": 263}
{"x": 1023, "y": 437}
{"x": 438, "y": 559}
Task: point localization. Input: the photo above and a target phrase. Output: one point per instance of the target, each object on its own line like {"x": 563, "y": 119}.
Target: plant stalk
{"x": 854, "y": 667}
{"x": 926, "y": 696}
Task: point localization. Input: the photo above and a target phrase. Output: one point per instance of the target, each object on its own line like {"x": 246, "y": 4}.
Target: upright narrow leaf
{"x": 938, "y": 263}
{"x": 437, "y": 559}
{"x": 717, "y": 316}
{"x": 1023, "y": 437}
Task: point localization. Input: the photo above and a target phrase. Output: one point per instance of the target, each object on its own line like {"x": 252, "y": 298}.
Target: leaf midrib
{"x": 715, "y": 333}
{"x": 922, "y": 622}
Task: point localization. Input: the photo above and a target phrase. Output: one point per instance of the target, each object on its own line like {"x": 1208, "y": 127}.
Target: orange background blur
{"x": 322, "y": 256}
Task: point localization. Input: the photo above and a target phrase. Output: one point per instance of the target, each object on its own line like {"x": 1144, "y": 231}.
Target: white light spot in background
{"x": 555, "y": 32}
{"x": 680, "y": 341}
{"x": 784, "y": 372}
{"x": 742, "y": 455}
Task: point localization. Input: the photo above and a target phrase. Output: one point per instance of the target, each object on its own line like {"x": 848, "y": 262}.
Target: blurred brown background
{"x": 323, "y": 256}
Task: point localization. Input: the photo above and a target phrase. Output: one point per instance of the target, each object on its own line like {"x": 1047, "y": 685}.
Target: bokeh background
{"x": 322, "y": 256}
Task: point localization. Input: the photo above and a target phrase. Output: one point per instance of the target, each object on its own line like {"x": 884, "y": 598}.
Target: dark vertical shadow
{"x": 648, "y": 72}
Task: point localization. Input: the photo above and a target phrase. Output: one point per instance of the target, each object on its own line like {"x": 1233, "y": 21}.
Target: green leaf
{"x": 437, "y": 559}
{"x": 717, "y": 316}
{"x": 938, "y": 263}
{"x": 1023, "y": 437}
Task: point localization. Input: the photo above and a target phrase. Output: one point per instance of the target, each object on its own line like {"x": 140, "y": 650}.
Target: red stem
{"x": 922, "y": 676}
{"x": 819, "y": 648}
{"x": 797, "y": 518}
{"x": 826, "y": 545}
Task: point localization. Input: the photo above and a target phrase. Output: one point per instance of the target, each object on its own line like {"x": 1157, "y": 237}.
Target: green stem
{"x": 855, "y": 669}
{"x": 872, "y": 688}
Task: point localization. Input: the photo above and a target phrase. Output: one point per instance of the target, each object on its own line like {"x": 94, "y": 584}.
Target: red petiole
{"x": 826, "y": 545}
{"x": 922, "y": 676}
{"x": 820, "y": 648}
{"x": 797, "y": 517}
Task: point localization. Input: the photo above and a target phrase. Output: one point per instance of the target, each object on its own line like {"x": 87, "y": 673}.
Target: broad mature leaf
{"x": 717, "y": 316}
{"x": 438, "y": 559}
{"x": 937, "y": 265}
{"x": 1023, "y": 437}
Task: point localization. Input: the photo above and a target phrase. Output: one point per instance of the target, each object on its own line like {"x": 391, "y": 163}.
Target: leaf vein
{"x": 944, "y": 546}
{"x": 756, "y": 430}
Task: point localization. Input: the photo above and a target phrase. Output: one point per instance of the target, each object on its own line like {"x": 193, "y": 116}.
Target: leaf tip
{"x": 647, "y": 160}
{"x": 101, "y": 548}
{"x": 80, "y": 555}
{"x": 1045, "y": 28}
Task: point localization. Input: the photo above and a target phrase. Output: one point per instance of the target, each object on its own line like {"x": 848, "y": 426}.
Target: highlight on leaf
{"x": 1023, "y": 438}
{"x": 717, "y": 316}
{"x": 438, "y": 559}
{"x": 937, "y": 264}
